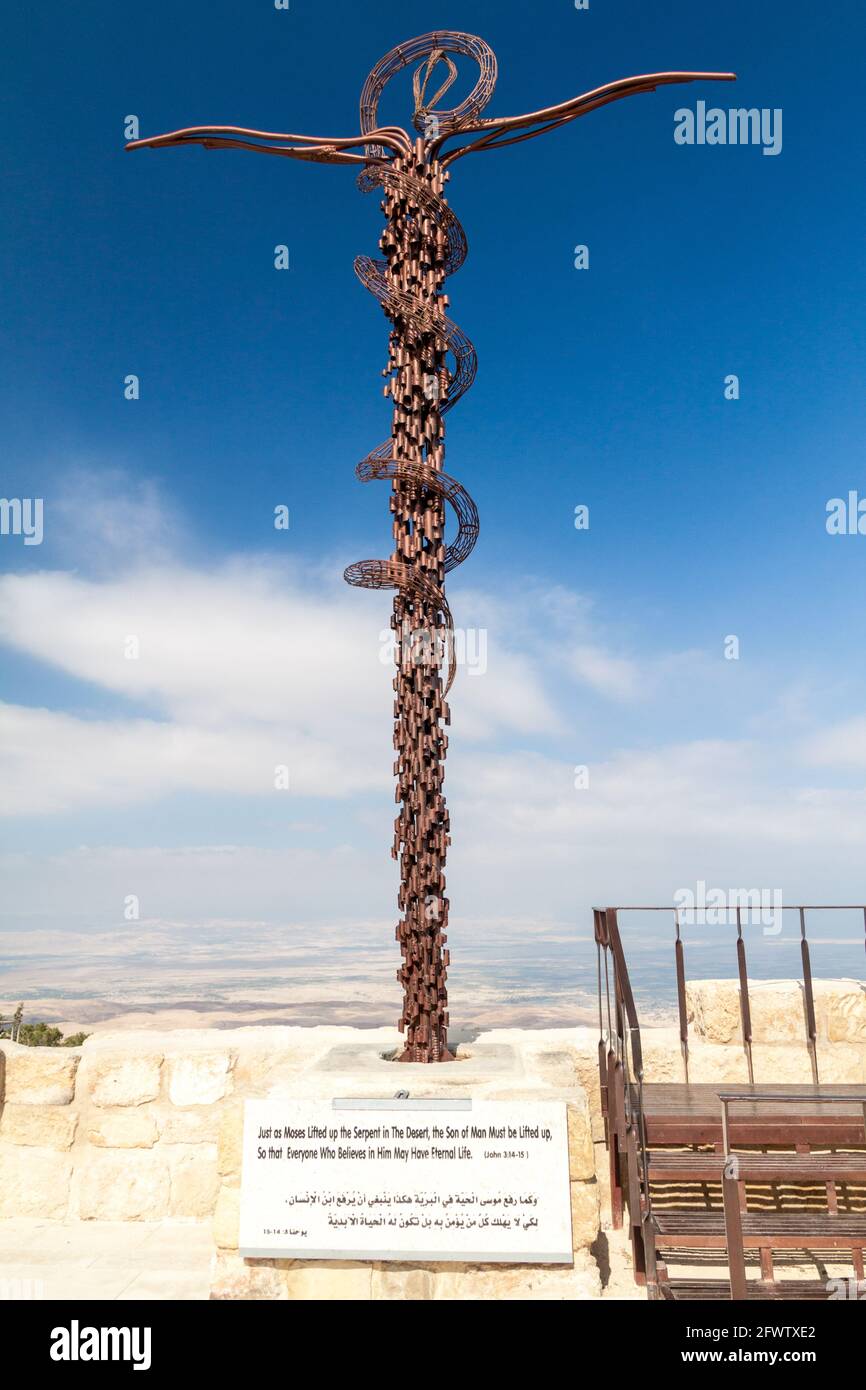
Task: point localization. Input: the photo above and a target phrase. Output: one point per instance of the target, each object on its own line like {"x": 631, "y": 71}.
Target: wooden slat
{"x": 734, "y": 1242}
{"x": 780, "y": 1229}
{"x": 680, "y": 1114}
{"x": 788, "y": 1167}
{"x": 718, "y": 1290}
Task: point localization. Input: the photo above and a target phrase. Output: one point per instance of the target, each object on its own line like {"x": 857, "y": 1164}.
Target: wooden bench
{"x": 640, "y": 1118}
{"x": 735, "y": 1229}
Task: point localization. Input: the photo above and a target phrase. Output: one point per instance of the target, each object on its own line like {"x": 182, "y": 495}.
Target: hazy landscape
{"x": 222, "y": 975}
{"x": 225, "y": 974}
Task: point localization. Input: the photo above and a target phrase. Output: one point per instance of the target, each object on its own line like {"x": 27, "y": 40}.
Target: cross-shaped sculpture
{"x": 422, "y": 243}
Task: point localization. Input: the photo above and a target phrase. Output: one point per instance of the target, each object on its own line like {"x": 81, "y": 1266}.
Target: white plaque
{"x": 387, "y": 1180}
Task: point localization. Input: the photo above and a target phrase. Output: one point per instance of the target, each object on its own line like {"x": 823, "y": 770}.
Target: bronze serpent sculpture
{"x": 422, "y": 386}
{"x": 421, "y": 245}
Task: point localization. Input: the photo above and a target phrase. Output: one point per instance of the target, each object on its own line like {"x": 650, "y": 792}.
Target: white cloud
{"x": 237, "y": 669}
{"x": 842, "y": 746}
{"x": 55, "y": 762}
{"x": 109, "y": 518}
{"x": 527, "y": 844}
{"x": 254, "y": 663}
{"x": 609, "y": 675}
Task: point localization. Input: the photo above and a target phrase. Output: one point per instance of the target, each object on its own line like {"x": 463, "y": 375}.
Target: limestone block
{"x": 230, "y": 1141}
{"x": 585, "y": 1214}
{"x": 843, "y": 1063}
{"x": 34, "y": 1182}
{"x": 840, "y": 1010}
{"x": 118, "y": 1080}
{"x": 585, "y": 1281}
{"x": 791, "y": 1063}
{"x": 781, "y": 1064}
{"x": 123, "y": 1129}
{"x": 520, "y": 1282}
{"x": 555, "y": 1066}
{"x": 329, "y": 1280}
{"x": 260, "y": 1069}
{"x": 189, "y": 1126}
{"x": 201, "y": 1078}
{"x": 713, "y": 1010}
{"x": 662, "y": 1055}
{"x": 42, "y": 1126}
{"x": 711, "y": 1062}
{"x": 227, "y": 1218}
{"x": 581, "y": 1154}
{"x": 194, "y": 1181}
{"x": 398, "y": 1282}
{"x": 776, "y": 1010}
{"x": 40, "y": 1075}
{"x": 586, "y": 1070}
{"x": 129, "y": 1186}
{"x": 232, "y": 1277}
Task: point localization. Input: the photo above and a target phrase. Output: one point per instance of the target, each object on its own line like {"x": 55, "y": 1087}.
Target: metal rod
{"x": 679, "y": 959}
{"x": 811, "y": 1027}
{"x": 745, "y": 1003}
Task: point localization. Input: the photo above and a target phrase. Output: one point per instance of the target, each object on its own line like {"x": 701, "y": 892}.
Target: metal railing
{"x": 610, "y": 914}
{"x": 620, "y": 1052}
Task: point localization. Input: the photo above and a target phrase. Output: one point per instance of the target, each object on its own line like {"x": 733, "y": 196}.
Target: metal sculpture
{"x": 422, "y": 244}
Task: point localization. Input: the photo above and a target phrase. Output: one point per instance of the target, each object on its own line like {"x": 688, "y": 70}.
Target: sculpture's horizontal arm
{"x": 310, "y": 147}
{"x": 537, "y": 122}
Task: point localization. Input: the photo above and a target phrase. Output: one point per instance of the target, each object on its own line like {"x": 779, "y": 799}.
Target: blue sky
{"x": 259, "y": 387}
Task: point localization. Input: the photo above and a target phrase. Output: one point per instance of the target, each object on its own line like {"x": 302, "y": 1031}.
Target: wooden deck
{"x": 679, "y": 1114}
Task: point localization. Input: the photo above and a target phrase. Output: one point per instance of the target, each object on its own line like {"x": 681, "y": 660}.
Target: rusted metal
{"x": 811, "y": 1026}
{"x": 681, "y": 994}
{"x": 602, "y": 1040}
{"x": 745, "y": 1002}
{"x": 808, "y": 1119}
{"x": 431, "y": 364}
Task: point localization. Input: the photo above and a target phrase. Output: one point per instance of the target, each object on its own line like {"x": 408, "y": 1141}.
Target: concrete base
{"x": 525, "y": 1068}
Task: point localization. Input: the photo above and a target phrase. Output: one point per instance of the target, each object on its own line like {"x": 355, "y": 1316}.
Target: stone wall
{"x": 147, "y": 1125}
{"x": 143, "y": 1126}
{"x": 118, "y": 1130}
